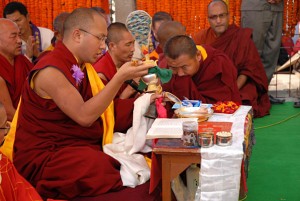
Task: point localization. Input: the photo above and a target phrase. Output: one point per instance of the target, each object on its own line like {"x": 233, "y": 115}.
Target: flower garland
{"x": 193, "y": 13}
{"x": 43, "y": 12}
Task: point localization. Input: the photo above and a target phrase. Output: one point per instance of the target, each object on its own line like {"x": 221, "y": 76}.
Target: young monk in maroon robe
{"x": 202, "y": 74}
{"x": 14, "y": 67}
{"x": 13, "y": 187}
{"x": 237, "y": 44}
{"x": 66, "y": 114}
{"x": 120, "y": 44}
{"x": 166, "y": 31}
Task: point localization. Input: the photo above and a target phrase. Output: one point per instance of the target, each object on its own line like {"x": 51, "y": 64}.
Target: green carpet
{"x": 274, "y": 171}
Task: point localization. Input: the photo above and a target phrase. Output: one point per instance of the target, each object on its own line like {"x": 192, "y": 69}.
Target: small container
{"x": 206, "y": 139}
{"x": 190, "y": 132}
{"x": 224, "y": 138}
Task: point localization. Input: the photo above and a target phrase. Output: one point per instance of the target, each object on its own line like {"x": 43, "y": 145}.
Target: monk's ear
{"x": 111, "y": 45}
{"x": 198, "y": 55}
{"x": 77, "y": 35}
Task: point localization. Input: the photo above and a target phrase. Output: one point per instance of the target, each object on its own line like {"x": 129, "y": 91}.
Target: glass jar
{"x": 190, "y": 132}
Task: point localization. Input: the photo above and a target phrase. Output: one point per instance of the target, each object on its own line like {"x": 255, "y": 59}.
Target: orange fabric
{"x": 13, "y": 186}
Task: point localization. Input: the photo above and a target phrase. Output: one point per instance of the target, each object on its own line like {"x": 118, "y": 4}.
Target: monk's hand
{"x": 154, "y": 97}
{"x": 36, "y": 49}
{"x": 29, "y": 47}
{"x": 129, "y": 71}
{"x": 127, "y": 92}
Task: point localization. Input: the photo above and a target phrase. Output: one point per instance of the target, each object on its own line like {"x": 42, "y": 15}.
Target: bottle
{"x": 192, "y": 180}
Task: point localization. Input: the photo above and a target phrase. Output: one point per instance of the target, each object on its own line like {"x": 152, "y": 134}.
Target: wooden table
{"x": 175, "y": 159}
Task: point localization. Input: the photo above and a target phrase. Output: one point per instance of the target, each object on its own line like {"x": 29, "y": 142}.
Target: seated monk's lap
{"x": 139, "y": 193}
{"x": 79, "y": 171}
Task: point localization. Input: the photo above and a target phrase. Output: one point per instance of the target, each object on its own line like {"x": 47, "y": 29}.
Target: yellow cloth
{"x": 203, "y": 52}
{"x": 8, "y": 147}
{"x": 107, "y": 117}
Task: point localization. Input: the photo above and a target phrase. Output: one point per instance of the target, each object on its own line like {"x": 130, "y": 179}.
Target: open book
{"x": 167, "y": 128}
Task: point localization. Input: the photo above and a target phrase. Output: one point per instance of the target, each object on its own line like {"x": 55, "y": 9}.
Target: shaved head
{"x": 80, "y": 18}
{"x": 114, "y": 32}
{"x": 217, "y": 2}
{"x": 4, "y": 23}
{"x": 168, "y": 30}
{"x": 180, "y": 45}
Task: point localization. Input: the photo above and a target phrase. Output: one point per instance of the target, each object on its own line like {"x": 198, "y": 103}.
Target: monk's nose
{"x": 102, "y": 45}
{"x": 180, "y": 72}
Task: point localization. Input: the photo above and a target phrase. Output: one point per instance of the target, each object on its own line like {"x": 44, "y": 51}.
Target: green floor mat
{"x": 274, "y": 171}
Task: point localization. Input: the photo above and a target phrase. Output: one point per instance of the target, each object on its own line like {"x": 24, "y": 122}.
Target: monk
{"x": 66, "y": 115}
{"x": 34, "y": 39}
{"x": 166, "y": 31}
{"x": 237, "y": 44}
{"x": 14, "y": 67}
{"x": 58, "y": 24}
{"x": 13, "y": 187}
{"x": 120, "y": 44}
{"x": 157, "y": 19}
{"x": 204, "y": 74}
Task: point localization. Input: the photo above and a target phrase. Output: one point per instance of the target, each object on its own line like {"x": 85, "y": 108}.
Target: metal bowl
{"x": 206, "y": 139}
{"x": 194, "y": 112}
{"x": 172, "y": 97}
{"x": 224, "y": 138}
{"x": 150, "y": 78}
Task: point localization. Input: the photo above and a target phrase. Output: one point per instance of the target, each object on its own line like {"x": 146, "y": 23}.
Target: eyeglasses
{"x": 215, "y": 17}
{"x": 100, "y": 38}
{"x": 6, "y": 131}
{"x": 6, "y": 128}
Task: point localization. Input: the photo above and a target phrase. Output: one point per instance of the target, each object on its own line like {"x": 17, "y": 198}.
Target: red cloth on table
{"x": 58, "y": 156}
{"x": 13, "y": 186}
{"x": 214, "y": 81}
{"x": 123, "y": 108}
{"x": 15, "y": 75}
{"x": 237, "y": 44}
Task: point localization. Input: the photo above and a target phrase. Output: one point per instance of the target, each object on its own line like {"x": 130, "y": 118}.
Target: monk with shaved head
{"x": 199, "y": 72}
{"x": 237, "y": 43}
{"x": 166, "y": 31}
{"x": 66, "y": 115}
{"x": 14, "y": 67}
{"x": 120, "y": 43}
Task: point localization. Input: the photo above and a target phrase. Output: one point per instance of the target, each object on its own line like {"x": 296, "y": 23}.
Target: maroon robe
{"x": 15, "y": 76}
{"x": 123, "y": 108}
{"x": 214, "y": 81}
{"x": 237, "y": 44}
{"x": 55, "y": 154}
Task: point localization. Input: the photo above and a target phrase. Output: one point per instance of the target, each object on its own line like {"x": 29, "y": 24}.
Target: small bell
{"x": 151, "y": 112}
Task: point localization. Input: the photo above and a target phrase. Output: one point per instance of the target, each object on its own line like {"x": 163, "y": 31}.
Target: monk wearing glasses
{"x": 237, "y": 43}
